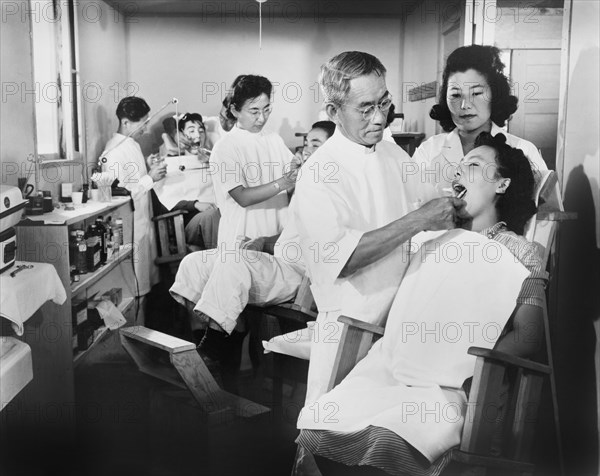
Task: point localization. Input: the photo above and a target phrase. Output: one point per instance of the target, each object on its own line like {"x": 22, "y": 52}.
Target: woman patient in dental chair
{"x": 403, "y": 406}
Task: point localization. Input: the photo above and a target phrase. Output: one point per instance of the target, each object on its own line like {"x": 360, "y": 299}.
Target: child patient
{"x": 382, "y": 416}
{"x": 191, "y": 188}
{"x": 184, "y": 136}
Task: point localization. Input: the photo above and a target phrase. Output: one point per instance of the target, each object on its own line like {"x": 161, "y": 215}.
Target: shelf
{"x": 83, "y": 212}
{"x": 86, "y": 280}
{"x": 125, "y": 305}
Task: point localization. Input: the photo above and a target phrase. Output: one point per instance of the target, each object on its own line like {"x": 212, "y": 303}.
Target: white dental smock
{"x": 345, "y": 190}
{"x": 249, "y": 159}
{"x": 127, "y": 162}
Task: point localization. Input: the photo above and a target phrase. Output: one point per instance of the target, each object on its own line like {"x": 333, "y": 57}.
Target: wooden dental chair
{"x": 271, "y": 321}
{"x": 479, "y": 450}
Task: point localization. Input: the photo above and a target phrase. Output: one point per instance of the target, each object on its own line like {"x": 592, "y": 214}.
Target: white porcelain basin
{"x": 15, "y": 368}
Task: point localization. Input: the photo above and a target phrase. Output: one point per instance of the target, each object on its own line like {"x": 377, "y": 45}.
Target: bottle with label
{"x": 73, "y": 250}
{"x": 109, "y": 238}
{"x": 81, "y": 252}
{"x": 93, "y": 248}
{"x": 103, "y": 240}
{"x": 118, "y": 233}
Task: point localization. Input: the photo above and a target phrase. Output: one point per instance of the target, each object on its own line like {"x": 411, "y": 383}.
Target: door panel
{"x": 536, "y": 77}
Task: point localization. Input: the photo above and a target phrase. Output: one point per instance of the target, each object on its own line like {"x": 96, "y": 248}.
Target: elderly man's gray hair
{"x": 337, "y": 73}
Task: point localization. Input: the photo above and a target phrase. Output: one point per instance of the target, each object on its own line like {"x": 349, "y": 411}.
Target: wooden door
{"x": 536, "y": 78}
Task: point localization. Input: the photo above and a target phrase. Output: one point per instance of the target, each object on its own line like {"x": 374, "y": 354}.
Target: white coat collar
{"x": 342, "y": 142}
{"x": 237, "y": 130}
{"x": 452, "y": 148}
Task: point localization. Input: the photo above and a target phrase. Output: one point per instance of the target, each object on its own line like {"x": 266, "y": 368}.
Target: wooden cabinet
{"x": 49, "y": 398}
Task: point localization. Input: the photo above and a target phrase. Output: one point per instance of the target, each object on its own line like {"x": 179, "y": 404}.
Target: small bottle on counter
{"x": 102, "y": 234}
{"x": 118, "y": 233}
{"x": 110, "y": 246}
{"x": 81, "y": 252}
{"x": 93, "y": 248}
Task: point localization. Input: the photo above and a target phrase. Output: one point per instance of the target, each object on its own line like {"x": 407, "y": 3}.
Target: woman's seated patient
{"x": 402, "y": 407}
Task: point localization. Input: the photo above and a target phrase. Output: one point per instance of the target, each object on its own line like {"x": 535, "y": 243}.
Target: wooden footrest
{"x": 176, "y": 361}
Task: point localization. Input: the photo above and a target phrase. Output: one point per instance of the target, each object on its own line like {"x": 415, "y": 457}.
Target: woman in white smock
{"x": 474, "y": 97}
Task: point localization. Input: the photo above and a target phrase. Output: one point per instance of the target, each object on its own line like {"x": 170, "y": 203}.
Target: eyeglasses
{"x": 369, "y": 111}
{"x": 257, "y": 112}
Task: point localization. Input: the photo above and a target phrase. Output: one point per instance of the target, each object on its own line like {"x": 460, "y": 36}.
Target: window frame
{"x": 67, "y": 121}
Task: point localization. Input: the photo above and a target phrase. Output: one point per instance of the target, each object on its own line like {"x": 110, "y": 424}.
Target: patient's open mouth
{"x": 459, "y": 190}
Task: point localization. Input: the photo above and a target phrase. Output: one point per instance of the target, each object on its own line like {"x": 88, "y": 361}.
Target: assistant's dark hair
{"x": 132, "y": 108}
{"x": 189, "y": 117}
{"x": 249, "y": 86}
{"x": 486, "y": 61}
{"x": 226, "y": 103}
{"x": 327, "y": 126}
{"x": 516, "y": 206}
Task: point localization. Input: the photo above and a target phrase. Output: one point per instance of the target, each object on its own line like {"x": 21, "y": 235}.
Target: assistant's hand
{"x": 442, "y": 213}
{"x": 158, "y": 171}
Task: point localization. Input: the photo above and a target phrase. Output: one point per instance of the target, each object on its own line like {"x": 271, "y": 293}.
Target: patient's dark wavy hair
{"x": 486, "y": 61}
{"x": 516, "y": 206}
{"x": 249, "y": 86}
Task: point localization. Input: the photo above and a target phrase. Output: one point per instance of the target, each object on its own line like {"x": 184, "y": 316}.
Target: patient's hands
{"x": 203, "y": 206}
{"x": 257, "y": 244}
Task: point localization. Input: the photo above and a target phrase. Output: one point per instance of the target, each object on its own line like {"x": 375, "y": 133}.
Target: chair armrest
{"x": 365, "y": 326}
{"x": 555, "y": 215}
{"x": 355, "y": 341}
{"x": 501, "y": 406}
{"x": 170, "y": 214}
{"x": 509, "y": 359}
{"x": 295, "y": 318}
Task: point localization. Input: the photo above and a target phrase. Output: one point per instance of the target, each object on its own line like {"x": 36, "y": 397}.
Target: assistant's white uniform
{"x": 345, "y": 190}
{"x": 127, "y": 164}
{"x": 249, "y": 159}
{"x": 223, "y": 283}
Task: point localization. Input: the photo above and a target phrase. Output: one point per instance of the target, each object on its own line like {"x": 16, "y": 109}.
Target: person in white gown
{"x": 355, "y": 208}
{"x": 475, "y": 97}
{"x": 124, "y": 159}
{"x": 403, "y": 406}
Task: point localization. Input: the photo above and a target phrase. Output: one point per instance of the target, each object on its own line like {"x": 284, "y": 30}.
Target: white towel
{"x": 24, "y": 294}
{"x": 459, "y": 291}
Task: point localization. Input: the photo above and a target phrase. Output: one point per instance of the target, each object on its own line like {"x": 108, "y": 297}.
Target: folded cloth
{"x": 295, "y": 343}
{"x": 27, "y": 291}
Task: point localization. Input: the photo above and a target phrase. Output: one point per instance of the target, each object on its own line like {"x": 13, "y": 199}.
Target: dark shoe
{"x": 226, "y": 350}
